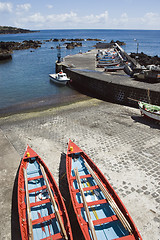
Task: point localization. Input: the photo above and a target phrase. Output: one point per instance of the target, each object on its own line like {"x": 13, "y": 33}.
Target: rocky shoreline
{"x": 144, "y": 60}
{"x": 7, "y": 48}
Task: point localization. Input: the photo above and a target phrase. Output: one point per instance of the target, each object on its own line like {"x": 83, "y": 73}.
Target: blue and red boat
{"x": 99, "y": 211}
{"x": 42, "y": 212}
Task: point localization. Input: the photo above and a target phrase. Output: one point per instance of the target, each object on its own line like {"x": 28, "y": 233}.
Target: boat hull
{"x": 113, "y": 68}
{"x": 58, "y": 81}
{"x": 103, "y": 65}
{"x": 44, "y": 223}
{"x": 149, "y": 114}
{"x": 106, "y": 223}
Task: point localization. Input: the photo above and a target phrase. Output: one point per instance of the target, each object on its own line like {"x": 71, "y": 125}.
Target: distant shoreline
{"x": 14, "y": 30}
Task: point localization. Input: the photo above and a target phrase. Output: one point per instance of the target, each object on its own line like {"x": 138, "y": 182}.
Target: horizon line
{"x": 96, "y": 29}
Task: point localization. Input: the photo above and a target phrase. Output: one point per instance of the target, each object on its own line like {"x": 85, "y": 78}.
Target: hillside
{"x": 13, "y": 30}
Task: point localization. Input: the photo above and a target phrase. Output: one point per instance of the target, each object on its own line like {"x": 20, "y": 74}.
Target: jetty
{"x": 118, "y": 87}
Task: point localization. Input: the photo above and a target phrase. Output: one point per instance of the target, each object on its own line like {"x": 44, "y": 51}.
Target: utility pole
{"x": 137, "y": 44}
{"x": 59, "y": 53}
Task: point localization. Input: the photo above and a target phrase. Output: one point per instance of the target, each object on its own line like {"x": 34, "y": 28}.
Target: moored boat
{"x": 99, "y": 210}
{"x": 60, "y": 78}
{"x": 108, "y": 53}
{"x": 42, "y": 212}
{"x": 103, "y": 64}
{"x": 149, "y": 110}
{"x": 114, "y": 68}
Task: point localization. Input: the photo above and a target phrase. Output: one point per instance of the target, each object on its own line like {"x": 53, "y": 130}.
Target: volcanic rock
{"x": 145, "y": 60}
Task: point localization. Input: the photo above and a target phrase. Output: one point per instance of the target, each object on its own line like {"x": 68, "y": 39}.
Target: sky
{"x": 82, "y": 14}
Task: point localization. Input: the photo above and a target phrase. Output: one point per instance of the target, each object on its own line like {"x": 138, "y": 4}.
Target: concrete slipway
{"x": 124, "y": 146}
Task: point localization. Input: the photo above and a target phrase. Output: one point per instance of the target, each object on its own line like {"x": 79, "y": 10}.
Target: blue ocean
{"x": 24, "y": 80}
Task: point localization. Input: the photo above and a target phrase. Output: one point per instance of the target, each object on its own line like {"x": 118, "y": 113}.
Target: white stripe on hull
{"x": 63, "y": 82}
{"x": 150, "y": 115}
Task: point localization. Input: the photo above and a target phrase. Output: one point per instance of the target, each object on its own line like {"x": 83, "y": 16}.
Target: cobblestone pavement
{"x": 124, "y": 146}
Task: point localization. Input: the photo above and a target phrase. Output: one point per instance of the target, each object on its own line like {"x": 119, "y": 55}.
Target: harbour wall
{"x": 117, "y": 87}
{"x": 110, "y": 91}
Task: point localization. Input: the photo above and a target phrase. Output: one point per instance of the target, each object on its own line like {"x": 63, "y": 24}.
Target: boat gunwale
{"x": 21, "y": 195}
{"x": 106, "y": 184}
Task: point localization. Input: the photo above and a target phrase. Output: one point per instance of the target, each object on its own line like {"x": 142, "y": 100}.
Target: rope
{"x": 63, "y": 176}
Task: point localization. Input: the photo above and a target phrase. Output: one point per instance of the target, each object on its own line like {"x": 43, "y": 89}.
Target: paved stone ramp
{"x": 9, "y": 162}
{"x": 124, "y": 146}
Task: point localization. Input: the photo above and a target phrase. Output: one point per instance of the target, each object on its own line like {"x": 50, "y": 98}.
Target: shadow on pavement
{"x": 146, "y": 121}
{"x": 15, "y": 228}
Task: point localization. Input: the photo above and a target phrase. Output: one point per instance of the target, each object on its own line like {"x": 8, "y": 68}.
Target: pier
{"x": 125, "y": 55}
{"x": 117, "y": 87}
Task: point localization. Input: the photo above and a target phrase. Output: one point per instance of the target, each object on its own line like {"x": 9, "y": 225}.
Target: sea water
{"x": 25, "y": 79}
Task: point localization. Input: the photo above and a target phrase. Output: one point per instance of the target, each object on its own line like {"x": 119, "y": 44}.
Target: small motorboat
{"x": 99, "y": 211}
{"x": 149, "y": 110}
{"x": 60, "y": 78}
{"x": 42, "y": 212}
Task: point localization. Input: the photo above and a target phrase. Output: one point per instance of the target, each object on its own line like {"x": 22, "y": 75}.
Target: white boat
{"x": 149, "y": 110}
{"x": 60, "y": 78}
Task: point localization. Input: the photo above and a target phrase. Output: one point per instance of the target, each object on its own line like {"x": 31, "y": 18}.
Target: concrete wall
{"x": 111, "y": 92}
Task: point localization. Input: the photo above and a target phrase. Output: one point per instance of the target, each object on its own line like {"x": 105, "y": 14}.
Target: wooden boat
{"x": 109, "y": 63}
{"x": 110, "y": 53}
{"x": 42, "y": 212}
{"x": 149, "y": 110}
{"x": 114, "y": 68}
{"x": 60, "y": 78}
{"x": 107, "y": 59}
{"x": 99, "y": 210}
